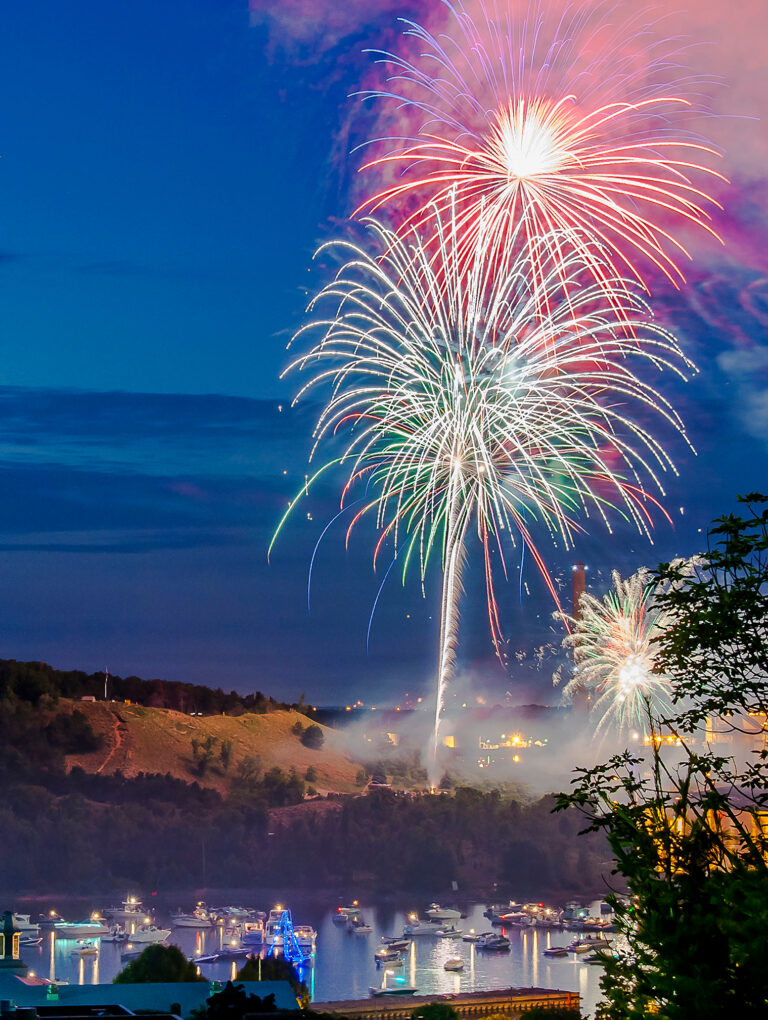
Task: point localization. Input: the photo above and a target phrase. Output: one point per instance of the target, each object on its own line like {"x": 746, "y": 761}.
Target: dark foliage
{"x": 158, "y": 964}
{"x": 434, "y": 1011}
{"x": 232, "y": 1003}
{"x": 313, "y": 737}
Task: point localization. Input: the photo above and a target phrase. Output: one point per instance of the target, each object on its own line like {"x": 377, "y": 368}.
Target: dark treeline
{"x": 84, "y": 832}
{"x": 32, "y": 681}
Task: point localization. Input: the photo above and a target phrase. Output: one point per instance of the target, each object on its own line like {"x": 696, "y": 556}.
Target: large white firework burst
{"x": 612, "y": 640}
{"x": 460, "y": 405}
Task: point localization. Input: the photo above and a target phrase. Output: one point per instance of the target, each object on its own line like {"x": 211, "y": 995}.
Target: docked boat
{"x": 516, "y": 919}
{"x": 556, "y": 951}
{"x": 22, "y": 923}
{"x": 493, "y": 943}
{"x": 454, "y": 963}
{"x": 438, "y": 913}
{"x": 449, "y": 932}
{"x": 131, "y": 910}
{"x": 198, "y": 918}
{"x": 473, "y": 936}
{"x": 306, "y": 935}
{"x": 117, "y": 933}
{"x": 150, "y": 933}
{"x": 587, "y": 942}
{"x": 252, "y": 933}
{"x": 416, "y": 927}
{"x": 80, "y": 929}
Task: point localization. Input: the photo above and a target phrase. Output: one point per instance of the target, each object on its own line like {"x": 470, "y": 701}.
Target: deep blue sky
{"x": 167, "y": 170}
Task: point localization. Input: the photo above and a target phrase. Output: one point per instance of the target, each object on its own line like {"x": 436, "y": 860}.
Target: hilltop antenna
{"x": 106, "y": 681}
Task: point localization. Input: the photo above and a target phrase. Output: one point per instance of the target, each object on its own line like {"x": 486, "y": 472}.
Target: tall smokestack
{"x": 578, "y": 584}
{"x": 581, "y": 698}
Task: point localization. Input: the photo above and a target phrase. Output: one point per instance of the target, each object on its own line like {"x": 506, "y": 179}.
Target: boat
{"x": 398, "y": 988}
{"x": 587, "y": 942}
{"x": 234, "y": 913}
{"x": 131, "y": 910}
{"x": 438, "y": 913}
{"x": 388, "y": 956}
{"x": 359, "y": 927}
{"x": 493, "y": 942}
{"x": 252, "y": 933}
{"x": 30, "y": 940}
{"x": 556, "y": 951}
{"x": 306, "y": 935}
{"x": 199, "y": 918}
{"x": 117, "y": 933}
{"x": 517, "y": 919}
{"x": 150, "y": 933}
{"x": 399, "y": 944}
{"x": 80, "y": 929}
{"x": 417, "y": 927}
{"x": 449, "y": 932}
{"x": 22, "y": 923}
{"x": 473, "y": 936}
{"x": 454, "y": 963}
{"x": 85, "y": 947}
{"x": 344, "y": 914}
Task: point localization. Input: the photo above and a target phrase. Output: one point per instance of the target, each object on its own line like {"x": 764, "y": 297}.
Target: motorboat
{"x": 390, "y": 957}
{"x": 556, "y": 951}
{"x": 516, "y": 919}
{"x": 22, "y": 923}
{"x": 198, "y": 918}
{"x": 306, "y": 935}
{"x": 579, "y": 947}
{"x": 234, "y": 913}
{"x": 359, "y": 927}
{"x": 587, "y": 942}
{"x": 345, "y": 914}
{"x": 30, "y": 941}
{"x": 398, "y": 988}
{"x": 438, "y": 913}
{"x": 150, "y": 933}
{"x": 252, "y": 933}
{"x": 85, "y": 947}
{"x": 454, "y": 963}
{"x": 117, "y": 933}
{"x": 449, "y": 932}
{"x": 398, "y": 944}
{"x": 493, "y": 942}
{"x": 416, "y": 927}
{"x": 131, "y": 910}
{"x": 473, "y": 936}
{"x": 80, "y": 929}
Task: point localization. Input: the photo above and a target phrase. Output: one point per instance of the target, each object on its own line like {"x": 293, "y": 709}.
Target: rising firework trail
{"x": 573, "y": 129}
{"x": 613, "y": 644}
{"x": 460, "y": 407}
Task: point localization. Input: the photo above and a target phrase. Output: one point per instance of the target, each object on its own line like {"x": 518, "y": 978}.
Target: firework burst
{"x": 460, "y": 406}
{"x": 612, "y": 641}
{"x": 557, "y": 129}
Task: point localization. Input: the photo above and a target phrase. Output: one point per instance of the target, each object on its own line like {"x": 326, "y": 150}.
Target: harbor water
{"x": 343, "y": 966}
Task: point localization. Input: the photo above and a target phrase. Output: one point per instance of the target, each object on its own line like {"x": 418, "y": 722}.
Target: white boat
{"x": 199, "y": 918}
{"x": 23, "y": 924}
{"x": 438, "y": 913}
{"x": 497, "y": 943}
{"x": 306, "y": 935}
{"x": 473, "y": 936}
{"x": 417, "y": 927}
{"x": 30, "y": 941}
{"x": 131, "y": 910}
{"x": 517, "y": 919}
{"x": 80, "y": 929}
{"x": 398, "y": 988}
{"x": 85, "y": 947}
{"x": 150, "y": 933}
{"x": 116, "y": 933}
{"x": 454, "y": 963}
{"x": 253, "y": 933}
{"x": 449, "y": 932}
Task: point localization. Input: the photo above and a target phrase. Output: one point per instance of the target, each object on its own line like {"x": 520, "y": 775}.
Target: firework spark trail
{"x": 457, "y": 400}
{"x": 613, "y": 649}
{"x": 513, "y": 122}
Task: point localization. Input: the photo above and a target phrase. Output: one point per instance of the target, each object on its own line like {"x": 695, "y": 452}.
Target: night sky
{"x": 167, "y": 171}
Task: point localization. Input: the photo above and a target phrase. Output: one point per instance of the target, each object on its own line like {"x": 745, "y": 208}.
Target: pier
{"x": 511, "y": 1002}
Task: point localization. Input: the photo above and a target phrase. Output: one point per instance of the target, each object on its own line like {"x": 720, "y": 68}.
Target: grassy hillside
{"x": 156, "y": 740}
